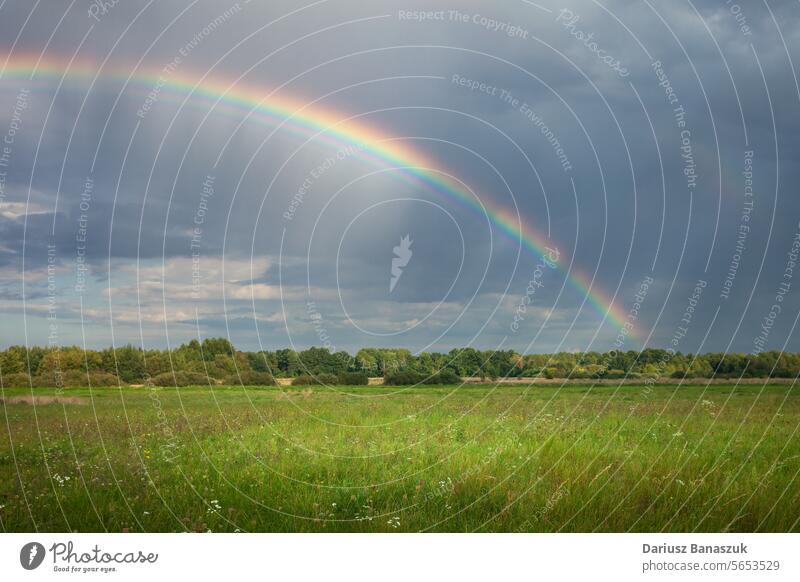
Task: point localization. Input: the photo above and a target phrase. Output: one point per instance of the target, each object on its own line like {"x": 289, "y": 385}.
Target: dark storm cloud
{"x": 631, "y": 208}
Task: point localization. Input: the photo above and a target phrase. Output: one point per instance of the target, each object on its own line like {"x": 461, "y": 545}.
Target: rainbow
{"x": 299, "y": 117}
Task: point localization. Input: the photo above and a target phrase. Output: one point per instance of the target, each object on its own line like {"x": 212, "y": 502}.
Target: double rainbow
{"x": 297, "y": 116}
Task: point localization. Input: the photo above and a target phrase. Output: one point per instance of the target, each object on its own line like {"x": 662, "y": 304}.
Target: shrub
{"x": 353, "y": 379}
{"x": 403, "y": 378}
{"x": 328, "y": 379}
{"x": 75, "y": 378}
{"x": 205, "y": 369}
{"x": 42, "y": 382}
{"x": 180, "y": 378}
{"x": 101, "y": 379}
{"x": 18, "y": 380}
{"x": 251, "y": 378}
{"x": 52, "y": 379}
{"x": 316, "y": 380}
{"x": 446, "y": 376}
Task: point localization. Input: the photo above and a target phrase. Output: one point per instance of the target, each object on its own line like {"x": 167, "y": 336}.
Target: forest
{"x": 217, "y": 360}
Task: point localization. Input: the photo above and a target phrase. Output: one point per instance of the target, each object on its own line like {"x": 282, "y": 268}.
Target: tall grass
{"x": 372, "y": 459}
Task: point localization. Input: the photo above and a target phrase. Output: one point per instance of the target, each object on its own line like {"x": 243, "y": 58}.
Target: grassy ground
{"x": 372, "y": 459}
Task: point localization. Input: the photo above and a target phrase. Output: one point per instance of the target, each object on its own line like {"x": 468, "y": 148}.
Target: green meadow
{"x": 383, "y": 459}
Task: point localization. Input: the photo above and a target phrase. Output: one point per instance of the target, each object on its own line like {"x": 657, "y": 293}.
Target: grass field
{"x": 369, "y": 459}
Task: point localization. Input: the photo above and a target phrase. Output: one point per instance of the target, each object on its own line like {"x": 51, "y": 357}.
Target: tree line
{"x": 217, "y": 360}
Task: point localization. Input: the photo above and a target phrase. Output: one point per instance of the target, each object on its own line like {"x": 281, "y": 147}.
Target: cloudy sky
{"x": 174, "y": 170}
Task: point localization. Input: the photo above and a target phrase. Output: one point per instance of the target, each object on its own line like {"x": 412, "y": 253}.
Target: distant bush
{"x": 180, "y": 378}
{"x": 251, "y": 378}
{"x": 75, "y": 378}
{"x": 205, "y": 369}
{"x": 18, "y": 380}
{"x": 328, "y": 379}
{"x": 101, "y": 379}
{"x": 408, "y": 378}
{"x": 52, "y": 379}
{"x": 446, "y": 376}
{"x": 42, "y": 381}
{"x": 316, "y": 380}
{"x": 403, "y": 378}
{"x": 353, "y": 379}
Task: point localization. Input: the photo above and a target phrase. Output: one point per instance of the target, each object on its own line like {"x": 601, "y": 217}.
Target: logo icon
{"x": 31, "y": 555}
{"x": 402, "y": 254}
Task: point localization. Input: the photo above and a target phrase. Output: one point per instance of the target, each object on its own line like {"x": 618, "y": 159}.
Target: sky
{"x": 532, "y": 176}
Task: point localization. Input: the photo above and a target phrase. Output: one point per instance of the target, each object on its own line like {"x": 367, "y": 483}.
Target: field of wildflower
{"x": 383, "y": 459}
